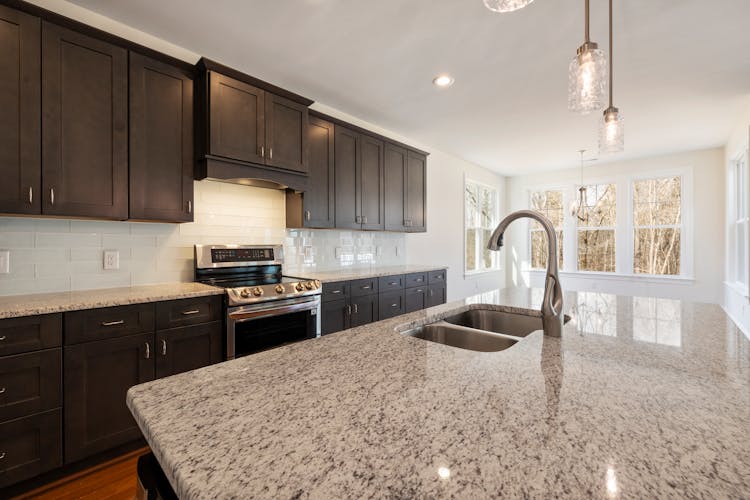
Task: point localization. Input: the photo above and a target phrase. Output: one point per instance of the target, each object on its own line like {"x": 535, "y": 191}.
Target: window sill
{"x": 469, "y": 274}
{"x": 736, "y": 287}
{"x": 635, "y": 278}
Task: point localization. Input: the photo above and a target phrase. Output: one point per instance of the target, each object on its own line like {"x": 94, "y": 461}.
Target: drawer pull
{"x": 366, "y": 287}
{"x": 393, "y": 283}
{"x": 191, "y": 312}
{"x": 148, "y": 350}
{"x": 419, "y": 290}
{"x": 113, "y": 323}
{"x": 2, "y": 390}
{"x": 394, "y": 305}
{"x": 336, "y": 291}
{"x": 163, "y": 347}
{"x": 2, "y": 338}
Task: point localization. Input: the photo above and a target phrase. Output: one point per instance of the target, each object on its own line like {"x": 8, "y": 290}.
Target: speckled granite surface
{"x": 355, "y": 274}
{"x": 641, "y": 398}
{"x": 12, "y": 306}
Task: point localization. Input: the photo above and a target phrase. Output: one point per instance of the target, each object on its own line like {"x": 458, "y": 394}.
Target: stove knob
{"x": 245, "y": 293}
{"x": 309, "y": 285}
{"x": 257, "y": 291}
{"x": 317, "y": 283}
{"x": 299, "y": 287}
{"x": 279, "y": 289}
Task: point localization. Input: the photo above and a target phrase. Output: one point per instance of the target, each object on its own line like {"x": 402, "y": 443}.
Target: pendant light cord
{"x": 586, "y": 30}
{"x": 611, "y": 84}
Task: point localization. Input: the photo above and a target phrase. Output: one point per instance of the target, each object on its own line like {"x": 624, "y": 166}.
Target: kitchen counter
{"x": 640, "y": 398}
{"x": 355, "y": 274}
{"x": 12, "y": 306}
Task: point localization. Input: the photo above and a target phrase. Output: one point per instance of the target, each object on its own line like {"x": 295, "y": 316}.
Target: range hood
{"x": 227, "y": 170}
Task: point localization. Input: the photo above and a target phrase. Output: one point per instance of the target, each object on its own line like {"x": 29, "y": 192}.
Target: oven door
{"x": 257, "y": 327}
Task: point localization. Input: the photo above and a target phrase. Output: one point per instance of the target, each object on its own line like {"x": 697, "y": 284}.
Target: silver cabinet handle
{"x": 336, "y": 291}
{"x": 356, "y": 309}
{"x": 113, "y": 323}
{"x": 263, "y": 151}
{"x": 2, "y": 338}
{"x": 393, "y": 283}
{"x": 364, "y": 220}
{"x": 191, "y": 312}
{"x": 308, "y": 215}
{"x": 270, "y": 153}
{"x": 349, "y": 310}
{"x": 358, "y": 219}
{"x": 432, "y": 293}
{"x": 31, "y": 195}
{"x": 2, "y": 390}
{"x": 52, "y": 196}
{"x": 148, "y": 350}
{"x": 2, "y": 455}
{"x": 394, "y": 305}
{"x": 419, "y": 290}
{"x": 366, "y": 287}
{"x": 190, "y": 207}
{"x": 163, "y": 347}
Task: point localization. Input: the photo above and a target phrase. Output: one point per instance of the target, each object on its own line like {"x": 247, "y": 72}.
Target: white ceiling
{"x": 682, "y": 67}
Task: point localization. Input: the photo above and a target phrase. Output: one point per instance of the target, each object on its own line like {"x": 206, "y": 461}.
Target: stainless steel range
{"x": 264, "y": 309}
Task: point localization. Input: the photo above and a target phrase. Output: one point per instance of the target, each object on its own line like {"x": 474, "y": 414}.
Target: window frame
{"x": 562, "y": 188}
{"x": 578, "y": 228}
{"x": 496, "y": 260}
{"x": 740, "y": 194}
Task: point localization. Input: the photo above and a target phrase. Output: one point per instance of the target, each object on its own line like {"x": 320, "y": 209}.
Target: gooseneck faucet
{"x": 552, "y": 314}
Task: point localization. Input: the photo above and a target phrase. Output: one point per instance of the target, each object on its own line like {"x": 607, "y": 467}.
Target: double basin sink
{"x": 483, "y": 330}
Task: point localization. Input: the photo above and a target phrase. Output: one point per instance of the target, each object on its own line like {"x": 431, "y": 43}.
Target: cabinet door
{"x": 20, "y": 118}
{"x": 161, "y": 141}
{"x": 395, "y": 187}
{"x": 416, "y": 193}
{"x": 371, "y": 188}
{"x": 184, "y": 349}
{"x": 30, "y": 446}
{"x": 415, "y": 299}
{"x": 364, "y": 310}
{"x": 97, "y": 377}
{"x": 319, "y": 204}
{"x": 31, "y": 383}
{"x": 236, "y": 121}
{"x": 286, "y": 127}
{"x": 85, "y": 126}
{"x": 346, "y": 148}
{"x": 335, "y": 316}
{"x": 436, "y": 295}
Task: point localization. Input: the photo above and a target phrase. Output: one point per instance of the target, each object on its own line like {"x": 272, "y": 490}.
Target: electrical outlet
{"x": 111, "y": 260}
{"x": 398, "y": 251}
{"x": 378, "y": 251}
{"x": 4, "y": 261}
{"x": 337, "y": 252}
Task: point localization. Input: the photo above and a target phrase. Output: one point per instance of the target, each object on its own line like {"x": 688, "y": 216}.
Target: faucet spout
{"x": 552, "y": 305}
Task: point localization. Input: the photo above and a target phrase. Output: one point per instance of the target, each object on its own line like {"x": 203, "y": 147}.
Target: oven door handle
{"x": 273, "y": 311}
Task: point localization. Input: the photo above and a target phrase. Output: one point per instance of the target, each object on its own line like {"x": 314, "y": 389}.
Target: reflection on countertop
{"x": 640, "y": 398}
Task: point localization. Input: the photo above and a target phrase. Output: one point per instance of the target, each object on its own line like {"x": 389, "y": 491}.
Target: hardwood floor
{"x": 114, "y": 479}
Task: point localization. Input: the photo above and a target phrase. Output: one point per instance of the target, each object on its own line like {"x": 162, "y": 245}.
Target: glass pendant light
{"x": 587, "y": 75}
{"x": 578, "y": 207}
{"x": 506, "y": 5}
{"x": 612, "y": 128}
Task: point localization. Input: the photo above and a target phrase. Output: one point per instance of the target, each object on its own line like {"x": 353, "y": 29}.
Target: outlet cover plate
{"x": 111, "y": 260}
{"x": 4, "y": 261}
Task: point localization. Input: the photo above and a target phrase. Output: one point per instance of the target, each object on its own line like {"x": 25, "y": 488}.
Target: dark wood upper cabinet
{"x": 416, "y": 192}
{"x": 20, "y": 115}
{"x": 161, "y": 141}
{"x": 84, "y": 126}
{"x": 347, "y": 144}
{"x": 371, "y": 184}
{"x": 395, "y": 192}
{"x": 286, "y": 140}
{"x": 236, "y": 119}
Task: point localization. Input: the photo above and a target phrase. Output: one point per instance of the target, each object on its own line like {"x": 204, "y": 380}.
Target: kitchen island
{"x": 641, "y": 397}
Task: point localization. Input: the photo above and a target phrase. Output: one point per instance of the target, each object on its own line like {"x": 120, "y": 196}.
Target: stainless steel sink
{"x": 461, "y": 337}
{"x": 518, "y": 325}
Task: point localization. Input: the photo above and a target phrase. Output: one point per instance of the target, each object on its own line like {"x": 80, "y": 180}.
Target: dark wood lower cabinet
{"x": 184, "y": 349}
{"x": 334, "y": 316}
{"x": 31, "y": 383}
{"x": 97, "y": 378}
{"x": 415, "y": 299}
{"x": 364, "y": 310}
{"x": 391, "y": 304}
{"x": 436, "y": 295}
{"x": 30, "y": 446}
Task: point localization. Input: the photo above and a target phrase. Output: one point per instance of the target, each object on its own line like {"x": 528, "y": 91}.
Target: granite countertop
{"x": 640, "y": 398}
{"x": 12, "y": 306}
{"x": 355, "y": 274}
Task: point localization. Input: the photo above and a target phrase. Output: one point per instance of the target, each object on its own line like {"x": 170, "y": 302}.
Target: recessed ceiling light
{"x": 443, "y": 81}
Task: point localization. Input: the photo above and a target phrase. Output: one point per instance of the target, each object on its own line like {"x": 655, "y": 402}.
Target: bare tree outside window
{"x": 481, "y": 213}
{"x": 596, "y": 234}
{"x": 550, "y": 204}
{"x": 657, "y": 221}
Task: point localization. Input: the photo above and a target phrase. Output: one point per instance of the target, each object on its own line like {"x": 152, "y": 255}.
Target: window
{"x": 596, "y": 232}
{"x": 740, "y": 221}
{"x": 481, "y": 211}
{"x": 550, "y": 204}
{"x": 657, "y": 224}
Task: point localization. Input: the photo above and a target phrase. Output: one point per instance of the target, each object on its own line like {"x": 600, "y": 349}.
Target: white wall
{"x": 708, "y": 235}
{"x": 736, "y": 302}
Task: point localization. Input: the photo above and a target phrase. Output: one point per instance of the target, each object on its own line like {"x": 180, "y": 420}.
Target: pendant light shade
{"x": 506, "y": 5}
{"x": 612, "y": 127}
{"x": 587, "y": 75}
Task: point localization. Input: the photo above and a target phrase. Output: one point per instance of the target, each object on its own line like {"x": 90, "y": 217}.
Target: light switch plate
{"x": 4, "y": 261}
{"x": 111, "y": 260}
{"x": 378, "y": 250}
{"x": 337, "y": 252}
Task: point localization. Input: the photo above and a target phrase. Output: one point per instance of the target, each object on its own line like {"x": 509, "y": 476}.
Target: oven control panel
{"x": 222, "y": 255}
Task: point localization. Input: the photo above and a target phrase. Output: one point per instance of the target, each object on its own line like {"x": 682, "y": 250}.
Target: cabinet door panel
{"x": 416, "y": 193}
{"x": 395, "y": 187}
{"x": 31, "y": 445}
{"x": 31, "y": 383}
{"x": 30, "y": 333}
{"x": 85, "y": 126}
{"x": 161, "y": 141}
{"x": 96, "y": 379}
{"x": 391, "y": 304}
{"x": 436, "y": 295}
{"x": 285, "y": 124}
{"x": 319, "y": 203}
{"x": 346, "y": 148}
{"x": 416, "y": 299}
{"x": 335, "y": 316}
{"x": 184, "y": 349}
{"x": 371, "y": 186}
{"x": 237, "y": 117}
{"x": 20, "y": 119}
{"x": 364, "y": 310}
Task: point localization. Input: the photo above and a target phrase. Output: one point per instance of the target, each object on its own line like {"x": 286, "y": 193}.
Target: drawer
{"x": 416, "y": 279}
{"x": 186, "y": 312}
{"x": 30, "y": 446}
{"x": 391, "y": 283}
{"x": 391, "y": 304}
{"x": 415, "y": 299}
{"x": 30, "y": 383}
{"x": 108, "y": 322}
{"x": 335, "y": 291}
{"x": 30, "y": 333}
{"x": 436, "y": 277}
{"x": 367, "y": 286}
